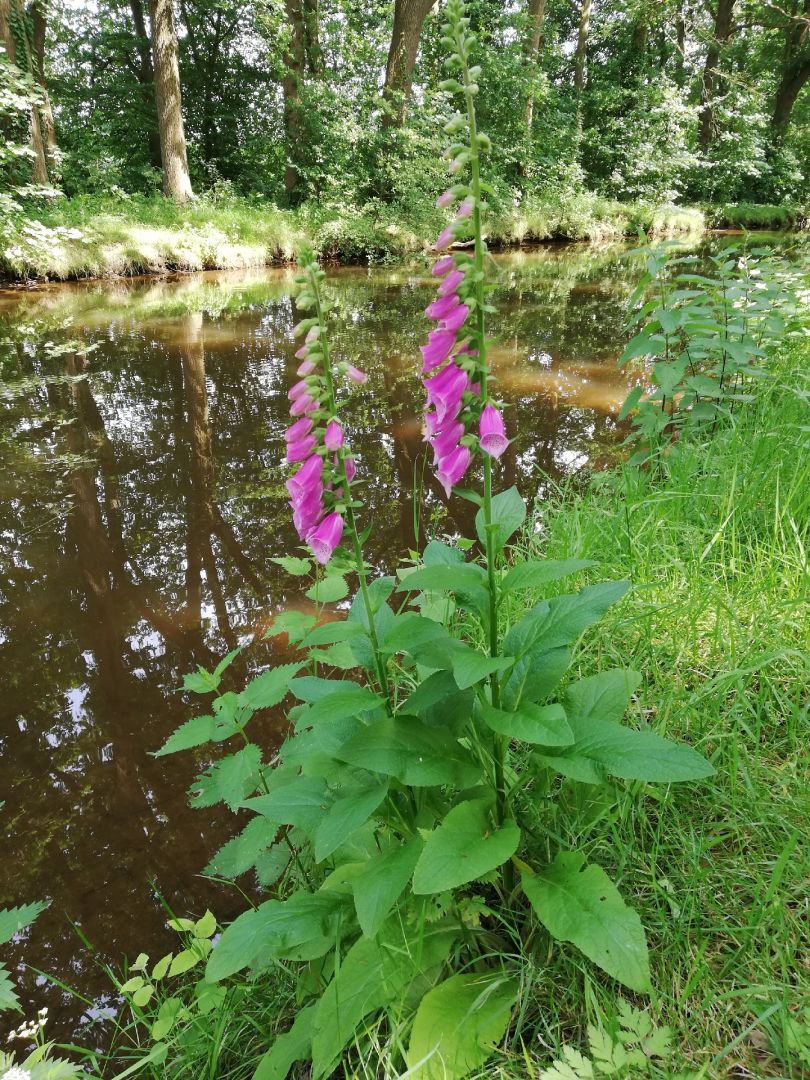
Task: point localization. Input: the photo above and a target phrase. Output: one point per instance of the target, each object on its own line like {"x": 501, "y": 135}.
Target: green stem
{"x": 500, "y": 743}
{"x": 351, "y": 521}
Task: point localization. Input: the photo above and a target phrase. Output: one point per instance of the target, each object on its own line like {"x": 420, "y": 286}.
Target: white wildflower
{"x": 16, "y": 1073}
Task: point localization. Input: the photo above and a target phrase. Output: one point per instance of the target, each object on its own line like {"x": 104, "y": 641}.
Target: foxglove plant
{"x": 408, "y": 797}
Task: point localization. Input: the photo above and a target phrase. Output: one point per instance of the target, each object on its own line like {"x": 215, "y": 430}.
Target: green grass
{"x": 755, "y": 216}
{"x": 718, "y": 624}
{"x": 102, "y": 236}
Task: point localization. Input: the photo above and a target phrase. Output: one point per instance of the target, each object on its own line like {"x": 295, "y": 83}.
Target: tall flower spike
{"x": 459, "y": 418}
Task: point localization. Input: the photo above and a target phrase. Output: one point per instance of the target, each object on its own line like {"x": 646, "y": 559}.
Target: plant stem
{"x": 351, "y": 521}
{"x": 500, "y": 743}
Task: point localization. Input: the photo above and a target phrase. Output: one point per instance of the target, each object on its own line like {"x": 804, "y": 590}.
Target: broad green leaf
{"x": 196, "y": 732}
{"x": 184, "y": 961}
{"x": 242, "y": 851}
{"x": 380, "y": 883}
{"x": 275, "y": 927}
{"x": 543, "y": 724}
{"x": 12, "y": 920}
{"x": 302, "y": 802}
{"x": 464, "y": 847}
{"x": 328, "y": 590}
{"x": 508, "y": 514}
{"x": 270, "y": 687}
{"x": 289, "y": 1047}
{"x": 143, "y": 995}
{"x": 345, "y": 816}
{"x": 438, "y": 554}
{"x": 331, "y": 632}
{"x": 226, "y": 662}
{"x": 311, "y": 688}
{"x": 412, "y": 752}
{"x": 349, "y": 700}
{"x": 294, "y": 566}
{"x": 585, "y": 908}
{"x": 161, "y": 968}
{"x": 230, "y": 780}
{"x": 271, "y": 864}
{"x": 435, "y": 688}
{"x": 471, "y": 666}
{"x": 535, "y": 674}
{"x": 167, "y": 1016}
{"x": 411, "y": 631}
{"x": 200, "y": 681}
{"x": 531, "y": 575}
{"x": 461, "y": 577}
{"x": 375, "y": 972}
{"x": 458, "y": 1024}
{"x": 601, "y": 697}
{"x": 133, "y": 984}
{"x": 568, "y": 616}
{"x": 292, "y": 623}
{"x": 605, "y": 748}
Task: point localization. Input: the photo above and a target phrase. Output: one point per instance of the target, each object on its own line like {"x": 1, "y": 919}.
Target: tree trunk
{"x": 146, "y": 79}
{"x": 680, "y": 44}
{"x": 711, "y": 85}
{"x": 581, "y": 57}
{"x": 795, "y": 72}
{"x": 409, "y": 17}
{"x": 39, "y": 166}
{"x": 293, "y": 106}
{"x": 38, "y": 28}
{"x": 536, "y": 14}
{"x": 313, "y": 37}
{"x": 176, "y": 180}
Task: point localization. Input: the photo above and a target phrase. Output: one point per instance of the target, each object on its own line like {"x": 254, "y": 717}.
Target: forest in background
{"x": 338, "y": 104}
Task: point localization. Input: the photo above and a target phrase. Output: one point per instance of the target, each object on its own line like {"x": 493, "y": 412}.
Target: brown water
{"x": 141, "y": 499}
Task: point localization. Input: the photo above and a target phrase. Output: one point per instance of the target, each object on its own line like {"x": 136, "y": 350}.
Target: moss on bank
{"x": 95, "y": 236}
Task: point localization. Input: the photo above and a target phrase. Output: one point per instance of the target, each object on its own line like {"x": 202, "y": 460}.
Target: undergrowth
{"x": 125, "y": 235}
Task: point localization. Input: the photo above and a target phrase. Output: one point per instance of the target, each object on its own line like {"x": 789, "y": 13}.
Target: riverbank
{"x": 106, "y": 236}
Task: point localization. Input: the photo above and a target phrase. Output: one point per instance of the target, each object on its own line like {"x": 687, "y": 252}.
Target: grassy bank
{"x": 717, "y": 625}
{"x": 91, "y": 236}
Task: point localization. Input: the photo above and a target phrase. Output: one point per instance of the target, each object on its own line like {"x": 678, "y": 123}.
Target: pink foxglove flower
{"x": 452, "y": 468}
{"x": 442, "y": 307}
{"x": 351, "y": 468}
{"x": 440, "y": 345}
{"x": 296, "y": 391}
{"x": 445, "y": 392}
{"x": 356, "y": 375}
{"x": 465, "y": 209}
{"x": 325, "y": 538}
{"x": 445, "y": 199}
{"x": 303, "y": 405}
{"x": 493, "y": 440}
{"x": 312, "y": 335}
{"x": 333, "y": 436}
{"x": 301, "y": 449}
{"x": 302, "y": 353}
{"x": 299, "y": 429}
{"x": 444, "y": 239}
{"x": 306, "y": 368}
{"x": 456, "y": 319}
{"x": 443, "y": 266}
{"x": 451, "y": 283}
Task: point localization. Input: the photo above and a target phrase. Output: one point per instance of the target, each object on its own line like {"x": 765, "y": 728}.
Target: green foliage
{"x": 629, "y": 1051}
{"x": 12, "y": 921}
{"x": 705, "y": 340}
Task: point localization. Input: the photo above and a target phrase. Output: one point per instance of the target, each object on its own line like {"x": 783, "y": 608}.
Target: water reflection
{"x": 141, "y": 502}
